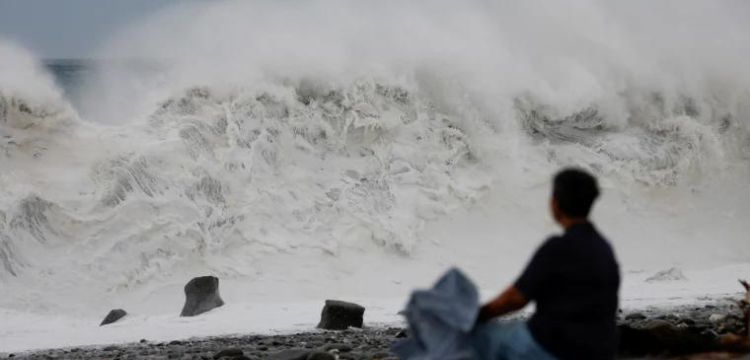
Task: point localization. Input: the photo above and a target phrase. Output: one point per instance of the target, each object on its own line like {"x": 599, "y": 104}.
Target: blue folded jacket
{"x": 440, "y": 320}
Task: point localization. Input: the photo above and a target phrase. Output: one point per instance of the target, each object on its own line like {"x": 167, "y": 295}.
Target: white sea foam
{"x": 329, "y": 148}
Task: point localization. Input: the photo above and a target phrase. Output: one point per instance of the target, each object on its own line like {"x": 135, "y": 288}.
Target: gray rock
{"x": 320, "y": 355}
{"x": 230, "y": 353}
{"x": 201, "y": 295}
{"x": 382, "y": 356}
{"x": 291, "y": 354}
{"x": 344, "y": 348}
{"x": 688, "y": 322}
{"x": 715, "y": 318}
{"x": 113, "y": 316}
{"x": 635, "y": 316}
{"x": 340, "y": 315}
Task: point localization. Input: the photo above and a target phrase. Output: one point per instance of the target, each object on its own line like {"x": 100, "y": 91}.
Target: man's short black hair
{"x": 575, "y": 191}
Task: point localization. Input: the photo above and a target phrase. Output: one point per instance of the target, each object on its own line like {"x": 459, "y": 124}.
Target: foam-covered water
{"x": 285, "y": 145}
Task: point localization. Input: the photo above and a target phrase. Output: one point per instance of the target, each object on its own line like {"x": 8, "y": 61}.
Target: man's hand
{"x": 510, "y": 300}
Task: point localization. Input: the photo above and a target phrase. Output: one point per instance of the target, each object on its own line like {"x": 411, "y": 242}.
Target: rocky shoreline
{"x": 370, "y": 343}
{"x": 674, "y": 332}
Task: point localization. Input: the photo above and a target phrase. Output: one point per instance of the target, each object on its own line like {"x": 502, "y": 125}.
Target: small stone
{"x": 688, "y": 322}
{"x": 113, "y": 316}
{"x": 344, "y": 348}
{"x": 381, "y": 355}
{"x": 320, "y": 355}
{"x": 229, "y": 353}
{"x": 143, "y": 341}
{"x": 175, "y": 342}
{"x": 291, "y": 354}
{"x": 668, "y": 317}
{"x": 201, "y": 295}
{"x": 656, "y": 324}
{"x": 340, "y": 315}
{"x": 710, "y": 333}
{"x": 635, "y": 316}
{"x": 714, "y": 318}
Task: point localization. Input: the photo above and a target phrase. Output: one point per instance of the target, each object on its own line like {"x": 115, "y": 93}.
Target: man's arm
{"x": 526, "y": 288}
{"x": 508, "y": 301}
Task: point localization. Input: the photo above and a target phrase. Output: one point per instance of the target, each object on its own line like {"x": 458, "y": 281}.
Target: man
{"x": 573, "y": 279}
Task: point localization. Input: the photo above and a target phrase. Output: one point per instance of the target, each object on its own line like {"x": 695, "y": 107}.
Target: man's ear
{"x": 555, "y": 208}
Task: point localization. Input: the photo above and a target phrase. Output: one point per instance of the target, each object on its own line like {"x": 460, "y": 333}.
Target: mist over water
{"x": 239, "y": 137}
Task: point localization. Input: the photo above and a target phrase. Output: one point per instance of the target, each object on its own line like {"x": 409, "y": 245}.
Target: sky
{"x": 69, "y": 28}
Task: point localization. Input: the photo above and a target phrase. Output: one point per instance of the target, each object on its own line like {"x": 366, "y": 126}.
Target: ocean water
{"x": 301, "y": 153}
{"x": 71, "y": 75}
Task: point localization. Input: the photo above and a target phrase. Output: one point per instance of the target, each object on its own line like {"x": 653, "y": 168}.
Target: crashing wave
{"x": 299, "y": 166}
{"x": 309, "y": 165}
{"x": 34, "y": 116}
{"x": 657, "y": 145}
{"x": 32, "y": 108}
{"x": 33, "y": 224}
{"x": 331, "y": 158}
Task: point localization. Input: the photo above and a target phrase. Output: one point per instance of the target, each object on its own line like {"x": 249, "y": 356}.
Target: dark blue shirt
{"x": 574, "y": 280}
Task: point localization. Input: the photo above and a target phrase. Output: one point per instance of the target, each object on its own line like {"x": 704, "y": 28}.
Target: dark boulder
{"x": 201, "y": 295}
{"x": 340, "y": 315}
{"x": 113, "y": 316}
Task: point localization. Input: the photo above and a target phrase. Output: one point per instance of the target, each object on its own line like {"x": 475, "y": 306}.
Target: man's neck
{"x": 567, "y": 223}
